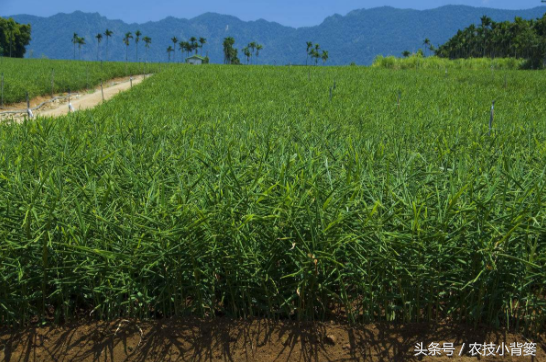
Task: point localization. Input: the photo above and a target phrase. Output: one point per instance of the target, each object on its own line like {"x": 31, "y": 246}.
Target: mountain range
{"x": 357, "y": 37}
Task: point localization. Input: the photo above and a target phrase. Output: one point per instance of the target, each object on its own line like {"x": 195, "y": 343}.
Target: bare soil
{"x": 259, "y": 340}
{"x": 81, "y": 100}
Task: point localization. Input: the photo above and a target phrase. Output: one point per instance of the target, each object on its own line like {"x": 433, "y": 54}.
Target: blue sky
{"x": 287, "y": 12}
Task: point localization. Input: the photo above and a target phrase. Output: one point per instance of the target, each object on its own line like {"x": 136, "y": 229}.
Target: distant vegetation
{"x": 230, "y": 53}
{"x": 14, "y": 38}
{"x": 313, "y": 52}
{"x": 520, "y": 39}
{"x": 356, "y": 37}
{"x": 252, "y": 50}
{"x": 417, "y": 61}
{"x": 188, "y": 47}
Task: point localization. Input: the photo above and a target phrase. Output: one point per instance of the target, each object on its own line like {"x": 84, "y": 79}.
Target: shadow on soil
{"x": 234, "y": 340}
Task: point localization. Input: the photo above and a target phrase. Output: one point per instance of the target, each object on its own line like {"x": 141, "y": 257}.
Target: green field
{"x": 245, "y": 191}
{"x": 436, "y": 63}
{"x": 34, "y": 75}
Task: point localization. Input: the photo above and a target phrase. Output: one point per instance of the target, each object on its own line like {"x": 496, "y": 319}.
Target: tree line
{"x": 313, "y": 51}
{"x": 231, "y": 54}
{"x": 253, "y": 50}
{"x": 14, "y": 38}
{"x": 80, "y": 41}
{"x": 188, "y": 47}
{"x": 518, "y": 39}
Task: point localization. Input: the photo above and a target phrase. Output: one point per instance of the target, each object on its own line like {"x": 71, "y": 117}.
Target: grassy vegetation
{"x": 417, "y": 62}
{"x": 34, "y": 75}
{"x": 245, "y": 191}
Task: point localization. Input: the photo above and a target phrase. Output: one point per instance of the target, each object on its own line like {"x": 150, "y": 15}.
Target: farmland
{"x": 419, "y": 62}
{"x": 270, "y": 192}
{"x": 34, "y": 75}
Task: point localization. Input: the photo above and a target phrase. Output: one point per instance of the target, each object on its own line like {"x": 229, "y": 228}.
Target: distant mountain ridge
{"x": 357, "y": 37}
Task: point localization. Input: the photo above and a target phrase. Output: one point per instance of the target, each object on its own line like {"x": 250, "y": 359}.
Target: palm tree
{"x": 194, "y": 45}
{"x": 80, "y": 41}
{"x": 485, "y": 23}
{"x": 230, "y": 53}
{"x": 259, "y": 47}
{"x": 126, "y": 39}
{"x": 247, "y": 54}
{"x": 187, "y": 48}
{"x": 202, "y": 41}
{"x": 174, "y": 40}
{"x": 182, "y": 47}
{"x": 316, "y": 53}
{"x": 108, "y": 34}
{"x": 74, "y": 41}
{"x": 309, "y": 47}
{"x": 252, "y": 47}
{"x": 427, "y": 43}
{"x": 147, "y": 41}
{"x": 313, "y": 54}
{"x": 137, "y": 39}
{"x": 99, "y": 39}
{"x": 169, "y": 51}
{"x": 324, "y": 56}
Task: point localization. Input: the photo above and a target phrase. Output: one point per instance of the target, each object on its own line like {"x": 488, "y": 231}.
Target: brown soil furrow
{"x": 225, "y": 339}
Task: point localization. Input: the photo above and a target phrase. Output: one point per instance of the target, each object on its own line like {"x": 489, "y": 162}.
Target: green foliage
{"x": 252, "y": 50}
{"x": 34, "y": 75}
{"x": 14, "y": 38}
{"x": 313, "y": 52}
{"x": 525, "y": 39}
{"x": 246, "y": 191}
{"x": 230, "y": 53}
{"x": 417, "y": 61}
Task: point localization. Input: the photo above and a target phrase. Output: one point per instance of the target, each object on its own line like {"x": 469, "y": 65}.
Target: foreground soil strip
{"x": 260, "y": 340}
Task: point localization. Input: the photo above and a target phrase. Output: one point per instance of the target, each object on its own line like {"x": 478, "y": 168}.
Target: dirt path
{"x": 80, "y": 101}
{"x": 225, "y": 339}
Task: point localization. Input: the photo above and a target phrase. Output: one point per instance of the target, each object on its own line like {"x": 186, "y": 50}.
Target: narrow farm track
{"x": 80, "y": 101}
{"x": 91, "y": 100}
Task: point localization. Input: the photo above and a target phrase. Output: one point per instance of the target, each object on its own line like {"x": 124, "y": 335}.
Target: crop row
{"x": 249, "y": 191}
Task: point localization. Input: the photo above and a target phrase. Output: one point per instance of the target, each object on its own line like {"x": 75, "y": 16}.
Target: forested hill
{"x": 356, "y": 37}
